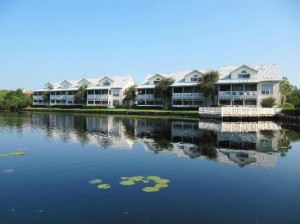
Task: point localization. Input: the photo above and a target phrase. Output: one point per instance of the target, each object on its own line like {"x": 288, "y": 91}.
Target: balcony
{"x": 37, "y": 97}
{"x": 238, "y": 94}
{"x": 98, "y": 97}
{"x": 187, "y": 95}
{"x": 145, "y": 96}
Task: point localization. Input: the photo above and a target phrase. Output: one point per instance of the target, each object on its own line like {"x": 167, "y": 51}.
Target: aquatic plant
{"x": 12, "y": 154}
{"x": 95, "y": 181}
{"x": 104, "y": 186}
{"x": 127, "y": 182}
{"x": 150, "y": 189}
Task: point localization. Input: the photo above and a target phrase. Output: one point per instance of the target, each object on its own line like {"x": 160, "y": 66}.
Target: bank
{"x": 119, "y": 111}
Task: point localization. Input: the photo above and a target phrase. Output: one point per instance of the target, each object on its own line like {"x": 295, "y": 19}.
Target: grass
{"x": 137, "y": 112}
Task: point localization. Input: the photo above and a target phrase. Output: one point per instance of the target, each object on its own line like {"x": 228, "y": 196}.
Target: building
{"x": 245, "y": 85}
{"x": 105, "y": 91}
{"x": 185, "y": 91}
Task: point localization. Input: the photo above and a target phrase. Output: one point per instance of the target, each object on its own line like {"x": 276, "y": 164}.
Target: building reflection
{"x": 243, "y": 143}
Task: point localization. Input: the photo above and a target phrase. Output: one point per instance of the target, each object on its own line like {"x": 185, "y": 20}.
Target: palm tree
{"x": 162, "y": 90}
{"x": 285, "y": 89}
{"x": 207, "y": 84}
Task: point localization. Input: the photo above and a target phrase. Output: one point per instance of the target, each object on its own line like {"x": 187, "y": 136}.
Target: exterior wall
{"x": 155, "y": 78}
{"x": 147, "y": 99}
{"x": 191, "y": 75}
{"x": 63, "y": 97}
{"x": 235, "y": 74}
{"x": 188, "y": 97}
{"x": 275, "y": 93}
{"x": 38, "y": 98}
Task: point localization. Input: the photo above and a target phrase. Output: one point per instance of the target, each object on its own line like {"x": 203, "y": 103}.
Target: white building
{"x": 105, "y": 91}
{"x": 237, "y": 86}
{"x": 247, "y": 85}
{"x": 185, "y": 91}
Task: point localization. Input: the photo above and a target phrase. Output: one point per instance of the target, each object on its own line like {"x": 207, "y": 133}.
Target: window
{"x": 267, "y": 89}
{"x": 237, "y": 87}
{"x": 116, "y": 92}
{"x": 251, "y": 102}
{"x": 70, "y": 93}
{"x": 177, "y": 90}
{"x": 157, "y": 80}
{"x": 90, "y": 102}
{"x": 252, "y": 87}
{"x": 115, "y": 102}
{"x": 91, "y": 92}
{"x": 188, "y": 89}
{"x": 225, "y": 87}
{"x": 198, "y": 102}
{"x": 194, "y": 78}
{"x": 106, "y": 83}
{"x": 244, "y": 75}
{"x": 238, "y": 102}
{"x": 177, "y": 102}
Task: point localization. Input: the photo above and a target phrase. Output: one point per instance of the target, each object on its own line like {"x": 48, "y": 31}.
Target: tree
{"x": 163, "y": 90}
{"x": 46, "y": 96}
{"x": 285, "y": 89}
{"x": 207, "y": 84}
{"x": 130, "y": 95}
{"x": 80, "y": 96}
{"x": 15, "y": 100}
{"x": 268, "y": 102}
{"x": 294, "y": 97}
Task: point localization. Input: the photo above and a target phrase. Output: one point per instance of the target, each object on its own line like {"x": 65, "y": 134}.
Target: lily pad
{"x": 162, "y": 181}
{"x": 150, "y": 189}
{"x": 159, "y": 186}
{"x": 104, "y": 186}
{"x": 127, "y": 182}
{"x": 95, "y": 181}
{"x": 154, "y": 178}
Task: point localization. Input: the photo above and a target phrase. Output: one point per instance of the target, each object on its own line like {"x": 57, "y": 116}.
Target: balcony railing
{"x": 98, "y": 97}
{"x": 238, "y": 93}
{"x": 145, "y": 96}
{"x": 62, "y": 97}
{"x": 187, "y": 95}
{"x": 38, "y": 97}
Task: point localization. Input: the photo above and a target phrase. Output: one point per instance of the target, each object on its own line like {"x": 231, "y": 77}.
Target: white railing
{"x": 238, "y": 111}
{"x": 237, "y": 93}
{"x": 97, "y": 97}
{"x": 58, "y": 97}
{"x": 37, "y": 97}
{"x": 145, "y": 96}
{"x": 185, "y": 95}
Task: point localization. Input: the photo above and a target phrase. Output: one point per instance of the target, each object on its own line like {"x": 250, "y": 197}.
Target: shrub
{"x": 287, "y": 106}
{"x": 268, "y": 102}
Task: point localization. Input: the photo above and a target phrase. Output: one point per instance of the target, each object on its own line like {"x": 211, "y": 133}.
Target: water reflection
{"x": 245, "y": 144}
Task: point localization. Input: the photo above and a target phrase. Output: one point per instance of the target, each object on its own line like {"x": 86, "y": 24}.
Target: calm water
{"x": 218, "y": 172}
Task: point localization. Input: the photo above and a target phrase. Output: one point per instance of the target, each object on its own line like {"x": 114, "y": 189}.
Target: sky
{"x": 55, "y": 40}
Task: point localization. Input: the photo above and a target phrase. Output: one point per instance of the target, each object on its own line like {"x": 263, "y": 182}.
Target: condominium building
{"x": 245, "y": 85}
{"x": 104, "y": 91}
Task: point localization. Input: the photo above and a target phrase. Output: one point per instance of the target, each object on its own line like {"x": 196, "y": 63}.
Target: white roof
{"x": 268, "y": 72}
{"x": 118, "y": 82}
{"x": 264, "y": 73}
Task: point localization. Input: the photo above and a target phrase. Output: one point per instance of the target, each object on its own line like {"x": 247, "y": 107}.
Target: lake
{"x": 200, "y": 171}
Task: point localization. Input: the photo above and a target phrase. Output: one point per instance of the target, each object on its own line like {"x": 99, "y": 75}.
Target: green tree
{"x": 163, "y": 90}
{"x": 46, "y": 96}
{"x": 130, "y": 95}
{"x": 268, "y": 102}
{"x": 15, "y": 100}
{"x": 294, "y": 97}
{"x": 285, "y": 89}
{"x": 207, "y": 84}
{"x": 80, "y": 95}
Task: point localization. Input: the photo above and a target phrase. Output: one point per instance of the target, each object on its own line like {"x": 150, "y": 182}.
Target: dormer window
{"x": 244, "y": 75}
{"x": 194, "y": 78}
{"x": 157, "y": 80}
{"x": 106, "y": 83}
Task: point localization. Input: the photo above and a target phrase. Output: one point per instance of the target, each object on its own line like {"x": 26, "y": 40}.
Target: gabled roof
{"x": 105, "y": 77}
{"x": 193, "y": 72}
{"x": 244, "y": 66}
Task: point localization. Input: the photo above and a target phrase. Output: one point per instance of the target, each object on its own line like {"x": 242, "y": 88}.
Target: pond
{"x": 64, "y": 168}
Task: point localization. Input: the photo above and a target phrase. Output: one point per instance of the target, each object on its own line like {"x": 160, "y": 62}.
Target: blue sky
{"x": 54, "y": 40}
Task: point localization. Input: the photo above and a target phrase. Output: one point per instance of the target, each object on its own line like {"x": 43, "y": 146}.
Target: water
{"x": 218, "y": 172}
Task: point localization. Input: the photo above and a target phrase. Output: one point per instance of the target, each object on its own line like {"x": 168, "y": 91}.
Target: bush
{"x": 287, "y": 106}
{"x": 268, "y": 102}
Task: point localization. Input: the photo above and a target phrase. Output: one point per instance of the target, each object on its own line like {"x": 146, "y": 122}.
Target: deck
{"x": 238, "y": 112}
